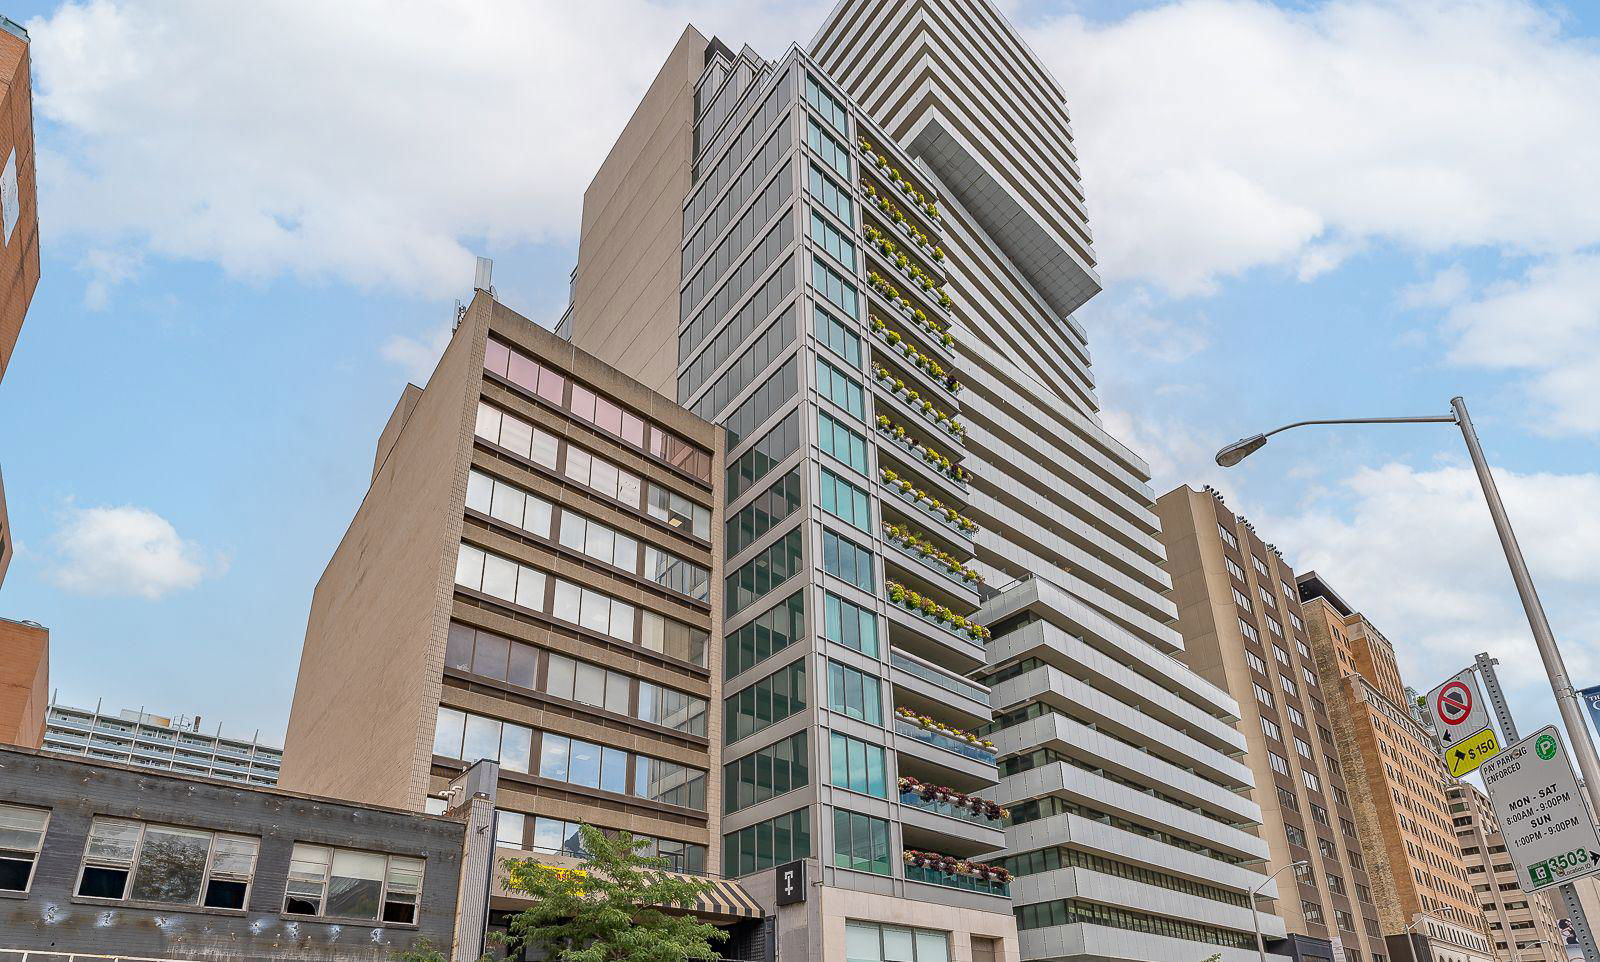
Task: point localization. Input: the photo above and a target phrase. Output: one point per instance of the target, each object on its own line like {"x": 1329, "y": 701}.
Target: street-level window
{"x": 166, "y": 864}
{"x": 21, "y": 835}
{"x": 865, "y": 942}
{"x": 344, "y": 884}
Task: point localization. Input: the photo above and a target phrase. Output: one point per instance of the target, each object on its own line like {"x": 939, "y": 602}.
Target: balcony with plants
{"x": 925, "y": 288}
{"x": 936, "y": 752}
{"x": 914, "y": 365}
{"x": 929, "y": 689}
{"x": 940, "y": 521}
{"x": 907, "y": 398}
{"x": 932, "y": 331}
{"x": 930, "y": 625}
{"x": 934, "y": 868}
{"x": 918, "y": 560}
{"x": 939, "y": 818}
{"x": 911, "y": 451}
{"x": 886, "y": 170}
{"x": 924, "y": 273}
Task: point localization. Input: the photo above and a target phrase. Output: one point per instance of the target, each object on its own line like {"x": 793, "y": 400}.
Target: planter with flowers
{"x": 893, "y": 175}
{"x": 923, "y": 499}
{"x": 917, "y": 402}
{"x": 935, "y": 612}
{"x": 949, "y": 865}
{"x": 963, "y": 803}
{"x": 898, "y": 343}
{"x": 935, "y": 458}
{"x": 930, "y": 552}
{"x": 928, "y": 724}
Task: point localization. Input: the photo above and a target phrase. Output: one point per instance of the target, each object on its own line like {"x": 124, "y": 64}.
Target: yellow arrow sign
{"x": 1470, "y": 752}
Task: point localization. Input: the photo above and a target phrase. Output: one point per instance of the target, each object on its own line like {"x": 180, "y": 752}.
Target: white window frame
{"x": 383, "y": 891}
{"x": 132, "y": 866}
{"x": 14, "y": 854}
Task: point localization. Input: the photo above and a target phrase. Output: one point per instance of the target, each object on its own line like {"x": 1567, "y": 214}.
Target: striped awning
{"x": 728, "y": 898}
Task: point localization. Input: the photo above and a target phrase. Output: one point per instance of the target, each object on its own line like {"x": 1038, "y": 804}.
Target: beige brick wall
{"x": 24, "y": 682}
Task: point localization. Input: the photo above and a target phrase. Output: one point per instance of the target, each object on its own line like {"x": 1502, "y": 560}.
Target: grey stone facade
{"x": 51, "y": 918}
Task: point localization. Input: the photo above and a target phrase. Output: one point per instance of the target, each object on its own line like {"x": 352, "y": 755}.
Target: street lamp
{"x": 1555, "y": 668}
{"x": 1255, "y": 917}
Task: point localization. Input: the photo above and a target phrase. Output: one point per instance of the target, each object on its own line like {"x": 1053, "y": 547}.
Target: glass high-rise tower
{"x": 947, "y": 637}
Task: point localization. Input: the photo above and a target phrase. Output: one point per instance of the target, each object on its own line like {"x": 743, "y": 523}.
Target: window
{"x": 1274, "y": 626}
{"x": 676, "y": 574}
{"x": 831, "y": 196}
{"x": 1319, "y": 815}
{"x": 1295, "y": 835}
{"x": 1327, "y": 849}
{"x": 765, "y": 844}
{"x": 860, "y": 842}
{"x": 763, "y": 513}
{"x": 1279, "y": 763}
{"x": 830, "y": 109}
{"x": 849, "y": 624}
{"x": 830, "y": 150}
{"x": 510, "y": 828}
{"x": 1242, "y": 600}
{"x": 1294, "y": 619}
{"x": 500, "y": 577}
{"x": 1311, "y": 780}
{"x": 1310, "y": 676}
{"x": 671, "y": 708}
{"x": 825, "y": 236}
{"x": 126, "y": 859}
{"x": 517, "y": 436}
{"x": 1249, "y": 631}
{"x": 834, "y": 287}
{"x": 602, "y": 476}
{"x": 837, "y": 337}
{"x": 864, "y": 942}
{"x": 678, "y": 511}
{"x": 775, "y": 770}
{"x": 774, "y": 630}
{"x": 1254, "y": 661}
{"x": 752, "y": 363}
{"x": 508, "y": 503}
{"x": 841, "y": 442}
{"x": 457, "y": 734}
{"x": 1233, "y": 568}
{"x": 1271, "y": 729}
{"x": 858, "y": 766}
{"x": 1227, "y": 537}
{"x": 854, "y": 693}
{"x": 840, "y": 388}
{"x": 764, "y": 572}
{"x": 663, "y": 781}
{"x": 1295, "y": 716}
{"x": 523, "y": 371}
{"x": 598, "y": 541}
{"x": 577, "y": 762}
{"x": 21, "y": 835}
{"x": 844, "y": 500}
{"x": 1303, "y": 747}
{"x": 672, "y": 638}
{"x": 1288, "y": 685}
{"x": 773, "y": 393}
{"x": 344, "y": 884}
{"x": 1266, "y": 596}
{"x": 845, "y": 559}
{"x": 593, "y": 610}
{"x": 769, "y": 700}
{"x": 588, "y": 684}
{"x": 1262, "y": 695}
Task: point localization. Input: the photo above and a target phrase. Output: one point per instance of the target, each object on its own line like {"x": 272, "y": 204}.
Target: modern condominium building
{"x": 156, "y": 741}
{"x": 1398, "y": 784}
{"x": 1522, "y": 927}
{"x": 1239, "y": 612}
{"x": 532, "y": 578}
{"x": 880, "y": 243}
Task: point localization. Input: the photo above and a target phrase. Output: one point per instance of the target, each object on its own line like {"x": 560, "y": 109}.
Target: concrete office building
{"x": 24, "y": 682}
{"x": 19, "y": 210}
{"x": 101, "y": 860}
{"x": 1399, "y": 785}
{"x": 1239, "y": 612}
{"x": 878, "y": 249}
{"x": 157, "y": 741}
{"x": 1522, "y": 927}
{"x": 533, "y": 578}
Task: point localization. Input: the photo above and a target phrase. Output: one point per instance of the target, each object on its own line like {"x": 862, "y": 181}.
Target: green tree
{"x": 611, "y": 909}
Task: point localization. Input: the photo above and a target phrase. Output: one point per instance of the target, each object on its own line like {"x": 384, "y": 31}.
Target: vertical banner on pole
{"x": 1591, "y": 697}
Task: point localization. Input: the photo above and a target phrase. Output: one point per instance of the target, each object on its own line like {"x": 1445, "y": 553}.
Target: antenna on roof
{"x": 483, "y": 280}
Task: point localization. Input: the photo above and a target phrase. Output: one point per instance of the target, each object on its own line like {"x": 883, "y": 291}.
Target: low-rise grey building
{"x": 104, "y": 859}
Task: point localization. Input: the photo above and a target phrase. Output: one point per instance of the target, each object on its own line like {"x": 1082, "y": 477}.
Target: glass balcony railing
{"x": 916, "y": 873}
{"x": 948, "y": 808}
{"x": 943, "y": 679}
{"x": 913, "y": 730}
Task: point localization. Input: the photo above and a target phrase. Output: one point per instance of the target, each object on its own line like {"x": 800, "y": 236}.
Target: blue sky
{"x": 254, "y": 227}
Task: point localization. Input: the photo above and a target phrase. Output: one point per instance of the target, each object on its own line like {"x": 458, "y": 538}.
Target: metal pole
{"x": 1569, "y": 894}
{"x": 1255, "y": 921}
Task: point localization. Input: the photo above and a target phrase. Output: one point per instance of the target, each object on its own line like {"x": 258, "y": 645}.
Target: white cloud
{"x": 417, "y": 355}
{"x": 1443, "y": 289}
{"x": 126, "y": 551}
{"x": 1221, "y": 135}
{"x": 1417, "y": 553}
{"x": 349, "y": 140}
{"x": 1546, "y": 325}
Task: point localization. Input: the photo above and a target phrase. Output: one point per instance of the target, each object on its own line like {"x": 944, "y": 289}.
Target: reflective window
{"x": 166, "y": 864}
{"x": 345, "y": 884}
{"x": 21, "y": 835}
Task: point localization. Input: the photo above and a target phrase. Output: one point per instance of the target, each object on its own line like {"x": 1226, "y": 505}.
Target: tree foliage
{"x": 611, "y": 908}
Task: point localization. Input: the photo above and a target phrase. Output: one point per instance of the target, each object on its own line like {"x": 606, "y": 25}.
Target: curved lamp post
{"x": 1544, "y": 638}
{"x": 1255, "y": 917}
